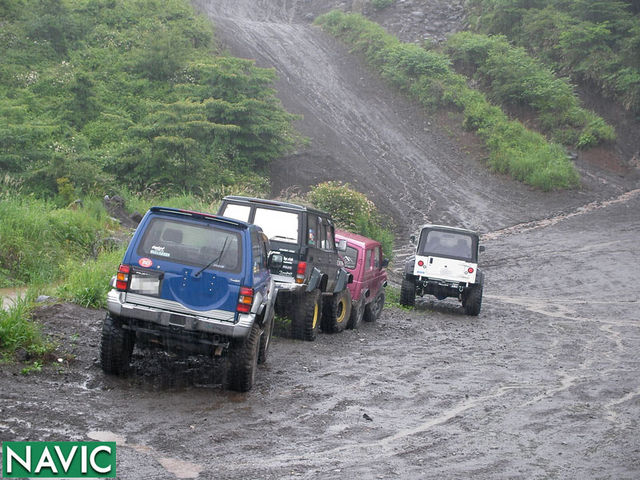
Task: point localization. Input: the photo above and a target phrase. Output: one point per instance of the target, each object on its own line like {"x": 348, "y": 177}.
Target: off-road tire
{"x": 473, "y": 301}
{"x": 336, "y": 312}
{"x": 373, "y": 309}
{"x": 307, "y": 316}
{"x": 243, "y": 361}
{"x": 265, "y": 338}
{"x": 116, "y": 347}
{"x": 408, "y": 293}
{"x": 357, "y": 312}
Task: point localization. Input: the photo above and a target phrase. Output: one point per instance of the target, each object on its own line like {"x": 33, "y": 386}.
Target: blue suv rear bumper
{"x": 170, "y": 314}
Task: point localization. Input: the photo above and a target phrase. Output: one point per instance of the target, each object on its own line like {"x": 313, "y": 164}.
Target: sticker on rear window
{"x": 145, "y": 262}
{"x": 159, "y": 251}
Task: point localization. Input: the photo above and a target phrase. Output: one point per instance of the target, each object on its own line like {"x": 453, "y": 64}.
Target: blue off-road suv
{"x": 193, "y": 283}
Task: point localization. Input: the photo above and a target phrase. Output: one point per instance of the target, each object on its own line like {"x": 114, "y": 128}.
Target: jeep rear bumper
{"x": 440, "y": 288}
{"x": 177, "y": 317}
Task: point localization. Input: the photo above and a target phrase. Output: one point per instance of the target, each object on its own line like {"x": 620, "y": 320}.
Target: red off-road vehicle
{"x": 363, "y": 259}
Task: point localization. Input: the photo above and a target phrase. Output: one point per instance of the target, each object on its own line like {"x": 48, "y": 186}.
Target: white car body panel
{"x": 445, "y": 269}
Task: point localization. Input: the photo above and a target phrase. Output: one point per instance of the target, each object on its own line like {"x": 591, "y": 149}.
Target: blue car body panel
{"x": 212, "y": 289}
{"x": 187, "y": 270}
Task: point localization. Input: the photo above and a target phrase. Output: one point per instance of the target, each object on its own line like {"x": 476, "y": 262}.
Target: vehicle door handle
{"x": 430, "y": 261}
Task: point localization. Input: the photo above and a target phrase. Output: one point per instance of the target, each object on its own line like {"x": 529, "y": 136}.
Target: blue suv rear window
{"x": 192, "y": 244}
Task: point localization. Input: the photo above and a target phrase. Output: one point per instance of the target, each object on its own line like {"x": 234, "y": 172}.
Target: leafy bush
{"x": 523, "y": 154}
{"x": 352, "y": 211}
{"x": 511, "y": 77}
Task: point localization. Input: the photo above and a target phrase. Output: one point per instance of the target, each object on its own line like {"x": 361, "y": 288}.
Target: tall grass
{"x": 513, "y": 78}
{"x": 87, "y": 283}
{"x": 37, "y": 238}
{"x": 18, "y": 331}
{"x": 428, "y": 77}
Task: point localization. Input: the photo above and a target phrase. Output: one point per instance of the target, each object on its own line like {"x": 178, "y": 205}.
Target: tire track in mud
{"x": 548, "y": 222}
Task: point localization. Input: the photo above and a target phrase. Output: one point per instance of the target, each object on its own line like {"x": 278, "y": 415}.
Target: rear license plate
{"x": 145, "y": 284}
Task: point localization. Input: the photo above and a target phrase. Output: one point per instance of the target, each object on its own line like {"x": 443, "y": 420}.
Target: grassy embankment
{"x": 594, "y": 42}
{"x": 427, "y": 76}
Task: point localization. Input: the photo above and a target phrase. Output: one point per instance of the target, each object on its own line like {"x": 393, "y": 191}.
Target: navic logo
{"x": 58, "y": 459}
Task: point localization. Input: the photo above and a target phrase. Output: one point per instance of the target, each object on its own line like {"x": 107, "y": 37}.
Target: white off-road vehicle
{"x": 445, "y": 265}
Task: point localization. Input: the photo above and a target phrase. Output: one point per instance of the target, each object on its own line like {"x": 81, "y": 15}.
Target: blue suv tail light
{"x": 122, "y": 278}
{"x": 245, "y": 300}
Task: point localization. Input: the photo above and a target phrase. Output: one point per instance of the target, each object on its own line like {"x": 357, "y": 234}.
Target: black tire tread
{"x": 408, "y": 293}
{"x": 373, "y": 309}
{"x": 357, "y": 313}
{"x": 302, "y": 327}
{"x": 265, "y": 338}
{"x": 243, "y": 361}
{"x": 473, "y": 301}
{"x": 116, "y": 347}
{"x": 331, "y": 313}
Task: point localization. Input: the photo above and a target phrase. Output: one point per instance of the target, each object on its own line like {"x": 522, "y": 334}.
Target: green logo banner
{"x": 59, "y": 459}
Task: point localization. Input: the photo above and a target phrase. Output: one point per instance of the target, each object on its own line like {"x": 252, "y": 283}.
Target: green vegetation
{"x": 103, "y": 94}
{"x": 428, "y": 77}
{"x": 352, "y": 211}
{"x": 19, "y": 332}
{"x": 115, "y": 96}
{"x": 87, "y": 283}
{"x": 593, "y": 41}
{"x": 380, "y": 4}
{"x": 37, "y": 238}
{"x": 512, "y": 78}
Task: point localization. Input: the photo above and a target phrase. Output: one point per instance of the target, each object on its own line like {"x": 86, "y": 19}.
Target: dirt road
{"x": 545, "y": 383}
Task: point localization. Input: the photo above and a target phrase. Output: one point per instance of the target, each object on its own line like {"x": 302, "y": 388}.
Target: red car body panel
{"x": 369, "y": 276}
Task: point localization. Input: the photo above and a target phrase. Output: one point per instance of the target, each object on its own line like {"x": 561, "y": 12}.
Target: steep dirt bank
{"x": 411, "y": 164}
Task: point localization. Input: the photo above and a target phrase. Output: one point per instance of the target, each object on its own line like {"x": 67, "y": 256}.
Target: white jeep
{"x": 445, "y": 265}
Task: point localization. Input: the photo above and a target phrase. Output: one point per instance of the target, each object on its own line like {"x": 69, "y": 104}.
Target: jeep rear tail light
{"x": 302, "y": 269}
{"x": 420, "y": 263}
{"x": 245, "y": 300}
{"x": 470, "y": 270}
{"x": 122, "y": 277}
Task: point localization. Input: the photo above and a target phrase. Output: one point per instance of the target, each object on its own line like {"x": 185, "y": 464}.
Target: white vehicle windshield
{"x": 446, "y": 244}
{"x": 277, "y": 225}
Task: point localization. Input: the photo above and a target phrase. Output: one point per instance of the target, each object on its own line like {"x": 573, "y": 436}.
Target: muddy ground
{"x": 545, "y": 383}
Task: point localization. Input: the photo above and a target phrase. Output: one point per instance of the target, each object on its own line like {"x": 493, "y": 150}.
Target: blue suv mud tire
{"x": 116, "y": 347}
{"x": 243, "y": 361}
{"x": 265, "y": 338}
